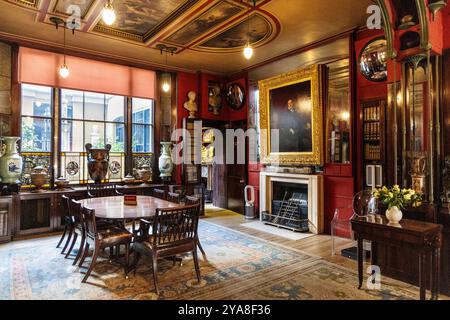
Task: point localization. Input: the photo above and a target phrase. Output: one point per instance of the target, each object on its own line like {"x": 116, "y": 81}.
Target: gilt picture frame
{"x": 291, "y": 118}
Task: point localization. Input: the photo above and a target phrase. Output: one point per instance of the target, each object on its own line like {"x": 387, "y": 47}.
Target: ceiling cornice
{"x": 89, "y": 54}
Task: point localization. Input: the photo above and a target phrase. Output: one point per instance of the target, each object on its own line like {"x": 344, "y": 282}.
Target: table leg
{"x": 374, "y": 258}
{"x": 360, "y": 262}
{"x": 435, "y": 271}
{"x": 422, "y": 277}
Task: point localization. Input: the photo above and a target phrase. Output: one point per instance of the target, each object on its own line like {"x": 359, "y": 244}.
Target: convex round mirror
{"x": 235, "y": 96}
{"x": 373, "y": 60}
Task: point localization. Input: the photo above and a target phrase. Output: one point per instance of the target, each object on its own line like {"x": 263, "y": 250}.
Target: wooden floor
{"x": 317, "y": 245}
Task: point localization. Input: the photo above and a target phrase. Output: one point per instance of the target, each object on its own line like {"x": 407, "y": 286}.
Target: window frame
{"x": 55, "y": 157}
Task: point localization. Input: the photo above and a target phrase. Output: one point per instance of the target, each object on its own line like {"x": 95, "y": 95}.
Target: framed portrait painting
{"x": 291, "y": 117}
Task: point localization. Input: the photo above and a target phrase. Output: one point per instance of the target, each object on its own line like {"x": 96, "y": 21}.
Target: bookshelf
{"x": 374, "y": 127}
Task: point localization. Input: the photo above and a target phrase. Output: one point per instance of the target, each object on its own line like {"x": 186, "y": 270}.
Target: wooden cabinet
{"x": 6, "y": 205}
{"x": 29, "y": 213}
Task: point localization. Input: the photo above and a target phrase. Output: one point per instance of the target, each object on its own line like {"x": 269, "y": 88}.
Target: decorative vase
{"x": 11, "y": 162}
{"x": 98, "y": 162}
{"x": 39, "y": 178}
{"x": 165, "y": 161}
{"x": 61, "y": 183}
{"x": 394, "y": 215}
{"x": 145, "y": 173}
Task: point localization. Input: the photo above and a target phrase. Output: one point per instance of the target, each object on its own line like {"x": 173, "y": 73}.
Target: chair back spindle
{"x": 174, "y": 226}
{"x": 102, "y": 190}
{"x": 159, "y": 193}
{"x": 173, "y": 197}
{"x": 89, "y": 222}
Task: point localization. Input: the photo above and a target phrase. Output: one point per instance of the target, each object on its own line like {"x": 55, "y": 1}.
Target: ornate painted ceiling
{"x": 208, "y": 34}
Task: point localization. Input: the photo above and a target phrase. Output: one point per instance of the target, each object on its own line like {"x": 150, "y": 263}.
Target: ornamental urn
{"x": 98, "y": 162}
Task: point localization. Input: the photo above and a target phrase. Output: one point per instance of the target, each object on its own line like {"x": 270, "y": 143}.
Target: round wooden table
{"x": 113, "y": 208}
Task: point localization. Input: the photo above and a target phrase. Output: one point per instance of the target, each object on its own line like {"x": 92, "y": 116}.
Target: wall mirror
{"x": 235, "y": 96}
{"x": 373, "y": 60}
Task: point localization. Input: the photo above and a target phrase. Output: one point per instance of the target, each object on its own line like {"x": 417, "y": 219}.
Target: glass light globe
{"x": 166, "y": 87}
{"x": 248, "y": 51}
{"x": 108, "y": 14}
{"x": 64, "y": 71}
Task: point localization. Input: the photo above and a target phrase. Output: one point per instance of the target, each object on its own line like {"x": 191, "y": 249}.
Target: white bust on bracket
{"x": 191, "y": 105}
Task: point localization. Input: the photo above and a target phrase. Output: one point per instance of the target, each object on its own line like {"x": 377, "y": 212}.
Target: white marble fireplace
{"x": 315, "y": 195}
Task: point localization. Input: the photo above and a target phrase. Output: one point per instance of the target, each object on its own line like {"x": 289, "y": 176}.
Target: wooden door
{"x": 237, "y": 180}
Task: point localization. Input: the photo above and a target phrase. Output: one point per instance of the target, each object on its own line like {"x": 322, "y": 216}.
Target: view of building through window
{"x": 84, "y": 117}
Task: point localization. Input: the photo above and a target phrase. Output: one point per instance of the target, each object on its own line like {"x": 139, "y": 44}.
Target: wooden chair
{"x": 101, "y": 239}
{"x": 159, "y": 193}
{"x": 68, "y": 223}
{"x": 78, "y": 228}
{"x": 173, "y": 197}
{"x": 174, "y": 232}
{"x": 102, "y": 190}
{"x": 190, "y": 200}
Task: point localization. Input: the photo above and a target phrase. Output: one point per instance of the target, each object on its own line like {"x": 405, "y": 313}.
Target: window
{"x": 142, "y": 120}
{"x": 36, "y": 129}
{"x": 95, "y": 118}
{"x": 84, "y": 117}
{"x": 36, "y": 118}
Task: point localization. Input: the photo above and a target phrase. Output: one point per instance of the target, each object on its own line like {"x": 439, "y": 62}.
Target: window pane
{"x": 142, "y": 111}
{"x": 94, "y": 133}
{"x": 72, "y": 136}
{"x": 36, "y": 134}
{"x": 36, "y": 101}
{"x": 71, "y": 104}
{"x": 115, "y": 108}
{"x": 94, "y": 106}
{"x": 115, "y": 136}
{"x": 142, "y": 138}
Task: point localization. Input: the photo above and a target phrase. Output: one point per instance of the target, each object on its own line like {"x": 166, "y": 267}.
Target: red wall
{"x": 198, "y": 82}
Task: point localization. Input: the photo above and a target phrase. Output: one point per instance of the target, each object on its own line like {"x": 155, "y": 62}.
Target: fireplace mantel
{"x": 315, "y": 194}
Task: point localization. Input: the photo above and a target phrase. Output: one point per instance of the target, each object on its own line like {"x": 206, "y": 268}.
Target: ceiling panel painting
{"x": 210, "y": 19}
{"x": 141, "y": 18}
{"x": 27, "y": 3}
{"x": 257, "y": 29}
{"x": 64, "y": 6}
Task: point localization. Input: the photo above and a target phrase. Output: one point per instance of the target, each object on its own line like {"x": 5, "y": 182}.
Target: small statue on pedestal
{"x": 191, "y": 105}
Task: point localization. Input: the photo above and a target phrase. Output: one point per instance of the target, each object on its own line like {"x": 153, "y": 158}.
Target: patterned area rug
{"x": 238, "y": 267}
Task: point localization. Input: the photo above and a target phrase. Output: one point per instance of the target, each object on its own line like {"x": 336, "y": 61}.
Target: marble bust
{"x": 191, "y": 105}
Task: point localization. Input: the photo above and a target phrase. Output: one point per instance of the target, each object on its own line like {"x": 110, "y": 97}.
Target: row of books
{"x": 372, "y": 152}
{"x": 372, "y": 113}
{"x": 372, "y": 131}
{"x": 3, "y": 223}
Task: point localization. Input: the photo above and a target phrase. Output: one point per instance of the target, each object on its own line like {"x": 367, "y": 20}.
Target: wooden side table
{"x": 423, "y": 237}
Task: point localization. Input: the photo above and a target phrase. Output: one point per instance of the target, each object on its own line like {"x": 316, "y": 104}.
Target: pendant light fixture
{"x": 64, "y": 71}
{"x": 248, "y": 50}
{"x": 108, "y": 14}
{"x": 166, "y": 77}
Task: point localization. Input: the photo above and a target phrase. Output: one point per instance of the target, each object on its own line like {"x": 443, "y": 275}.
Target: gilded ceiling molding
{"x": 118, "y": 33}
{"x": 272, "y": 32}
{"x": 167, "y": 21}
{"x": 83, "y": 14}
{"x": 27, "y": 3}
